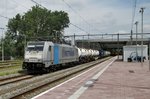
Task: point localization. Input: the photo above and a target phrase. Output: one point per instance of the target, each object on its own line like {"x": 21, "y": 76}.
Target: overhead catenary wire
{"x": 6, "y": 9}
{"x": 79, "y": 15}
{"x": 75, "y": 11}
{"x": 19, "y": 4}
{"x": 76, "y": 26}
{"x": 79, "y": 28}
{"x": 38, "y": 4}
{"x": 133, "y": 14}
{"x": 4, "y": 17}
{"x": 70, "y": 23}
{"x": 76, "y": 14}
{"x": 132, "y": 21}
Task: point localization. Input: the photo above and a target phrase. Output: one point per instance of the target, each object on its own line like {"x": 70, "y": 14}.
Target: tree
{"x": 37, "y": 23}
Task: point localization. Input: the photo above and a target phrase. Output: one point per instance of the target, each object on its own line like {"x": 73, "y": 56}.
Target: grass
{"x": 9, "y": 72}
{"x": 14, "y": 69}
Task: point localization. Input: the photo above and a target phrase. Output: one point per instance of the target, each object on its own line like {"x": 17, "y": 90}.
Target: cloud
{"x": 93, "y": 16}
{"x": 146, "y": 28}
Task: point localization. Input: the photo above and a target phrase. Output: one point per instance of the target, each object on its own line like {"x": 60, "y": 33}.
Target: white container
{"x": 131, "y": 49}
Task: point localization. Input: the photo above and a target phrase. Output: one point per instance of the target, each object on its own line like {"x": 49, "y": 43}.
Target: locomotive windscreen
{"x": 35, "y": 46}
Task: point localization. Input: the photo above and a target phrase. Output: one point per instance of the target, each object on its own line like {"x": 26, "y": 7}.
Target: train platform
{"x": 112, "y": 79}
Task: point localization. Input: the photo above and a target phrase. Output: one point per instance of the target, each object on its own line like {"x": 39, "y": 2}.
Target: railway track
{"x": 15, "y": 79}
{"x": 24, "y": 89}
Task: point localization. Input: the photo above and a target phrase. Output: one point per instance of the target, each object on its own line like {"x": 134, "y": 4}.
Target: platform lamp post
{"x": 142, "y": 11}
{"x": 118, "y": 45}
{"x": 74, "y": 41}
{"x": 2, "y": 45}
{"x": 136, "y": 23}
{"x": 131, "y": 37}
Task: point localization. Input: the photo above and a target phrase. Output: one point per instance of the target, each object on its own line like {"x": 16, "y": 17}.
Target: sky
{"x": 91, "y": 16}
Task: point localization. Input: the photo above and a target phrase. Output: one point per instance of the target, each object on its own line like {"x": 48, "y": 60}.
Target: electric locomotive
{"x": 44, "y": 55}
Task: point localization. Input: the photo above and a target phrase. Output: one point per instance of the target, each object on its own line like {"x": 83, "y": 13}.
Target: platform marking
{"x": 78, "y": 93}
{"x": 67, "y": 81}
{"x": 82, "y": 89}
{"x": 99, "y": 74}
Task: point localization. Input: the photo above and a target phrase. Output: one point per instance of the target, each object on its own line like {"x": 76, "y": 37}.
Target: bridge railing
{"x": 111, "y": 37}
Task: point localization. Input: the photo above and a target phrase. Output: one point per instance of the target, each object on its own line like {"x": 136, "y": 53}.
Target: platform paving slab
{"x": 65, "y": 90}
{"x": 122, "y": 80}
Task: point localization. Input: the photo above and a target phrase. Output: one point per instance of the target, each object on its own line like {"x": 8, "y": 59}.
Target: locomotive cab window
{"x": 35, "y": 47}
